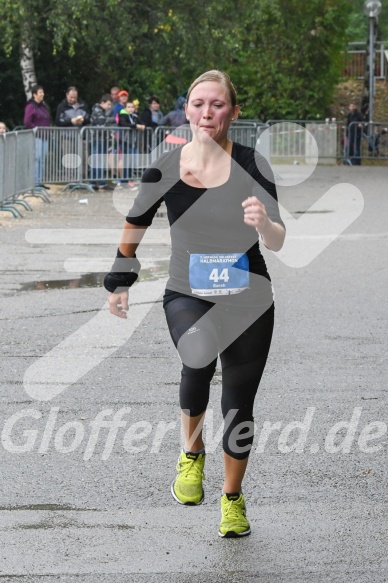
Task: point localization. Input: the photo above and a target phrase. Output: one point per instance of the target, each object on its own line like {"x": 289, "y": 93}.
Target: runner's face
{"x": 210, "y": 111}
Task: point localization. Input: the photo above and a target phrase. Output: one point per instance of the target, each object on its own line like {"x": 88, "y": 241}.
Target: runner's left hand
{"x": 255, "y": 214}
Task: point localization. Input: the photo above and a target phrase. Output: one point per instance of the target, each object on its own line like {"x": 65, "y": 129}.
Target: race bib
{"x": 218, "y": 273}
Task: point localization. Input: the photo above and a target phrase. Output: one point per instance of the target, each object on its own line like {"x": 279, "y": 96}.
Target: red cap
{"x": 122, "y": 92}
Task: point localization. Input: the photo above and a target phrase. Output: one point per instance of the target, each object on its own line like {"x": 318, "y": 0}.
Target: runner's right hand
{"x": 118, "y": 304}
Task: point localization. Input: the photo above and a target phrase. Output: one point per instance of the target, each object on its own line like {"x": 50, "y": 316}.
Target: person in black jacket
{"x": 354, "y": 131}
{"x": 151, "y": 117}
{"x": 72, "y": 111}
{"x": 100, "y": 118}
{"x": 128, "y": 139}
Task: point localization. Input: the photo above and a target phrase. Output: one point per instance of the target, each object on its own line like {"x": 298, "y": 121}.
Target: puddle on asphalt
{"x": 87, "y": 280}
{"x": 61, "y": 507}
{"x": 158, "y": 271}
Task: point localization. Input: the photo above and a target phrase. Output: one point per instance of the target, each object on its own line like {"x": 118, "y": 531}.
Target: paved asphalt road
{"x": 89, "y": 415}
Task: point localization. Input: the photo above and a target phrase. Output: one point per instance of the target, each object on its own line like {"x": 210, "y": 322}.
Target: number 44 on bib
{"x": 218, "y": 273}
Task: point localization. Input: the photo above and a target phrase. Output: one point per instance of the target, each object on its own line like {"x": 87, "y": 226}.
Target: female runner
{"x": 218, "y": 301}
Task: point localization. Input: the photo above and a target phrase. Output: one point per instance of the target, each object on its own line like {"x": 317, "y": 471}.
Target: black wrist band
{"x": 123, "y": 264}
{"x": 124, "y": 272}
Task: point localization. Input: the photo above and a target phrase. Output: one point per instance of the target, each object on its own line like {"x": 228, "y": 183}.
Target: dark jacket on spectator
{"x": 126, "y": 120}
{"x": 129, "y": 121}
{"x": 66, "y": 112}
{"x": 354, "y": 131}
{"x": 146, "y": 118}
{"x": 101, "y": 117}
{"x": 36, "y": 114}
{"x": 177, "y": 116}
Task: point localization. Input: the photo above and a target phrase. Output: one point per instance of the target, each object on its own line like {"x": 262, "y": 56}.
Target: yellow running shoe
{"x": 187, "y": 486}
{"x": 234, "y": 522}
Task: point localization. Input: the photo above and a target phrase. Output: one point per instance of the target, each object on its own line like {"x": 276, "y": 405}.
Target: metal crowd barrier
{"x": 62, "y": 154}
{"x": 246, "y": 132}
{"x": 17, "y": 166}
{"x": 122, "y": 154}
{"x": 337, "y": 142}
{"x": 366, "y": 141}
{"x": 25, "y": 163}
{"x": 167, "y": 138}
{"x": 88, "y": 157}
{"x": 290, "y": 142}
{"x": 2, "y": 169}
{"x": 114, "y": 154}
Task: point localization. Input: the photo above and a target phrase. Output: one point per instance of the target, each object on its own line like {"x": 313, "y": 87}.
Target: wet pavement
{"x": 90, "y": 416}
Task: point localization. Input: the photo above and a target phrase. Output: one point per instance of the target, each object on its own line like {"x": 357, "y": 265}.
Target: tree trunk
{"x": 27, "y": 65}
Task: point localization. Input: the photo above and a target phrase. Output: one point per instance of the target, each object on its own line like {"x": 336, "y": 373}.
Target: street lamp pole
{"x": 372, "y": 10}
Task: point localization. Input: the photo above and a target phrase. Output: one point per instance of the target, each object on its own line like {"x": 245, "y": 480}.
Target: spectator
{"x": 152, "y": 115}
{"x": 115, "y": 154}
{"x": 114, "y": 95}
{"x": 114, "y": 98}
{"x": 177, "y": 116}
{"x": 100, "y": 139}
{"x": 136, "y": 103}
{"x": 129, "y": 119}
{"x": 100, "y": 112}
{"x": 37, "y": 115}
{"x": 72, "y": 111}
{"x": 354, "y": 131}
{"x": 122, "y": 101}
{"x": 128, "y": 140}
{"x": 3, "y": 128}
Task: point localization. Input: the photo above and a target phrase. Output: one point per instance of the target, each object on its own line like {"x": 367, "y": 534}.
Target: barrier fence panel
{"x": 9, "y": 170}
{"x": 9, "y": 184}
{"x": 94, "y": 155}
{"x": 244, "y": 132}
{"x": 287, "y": 142}
{"x": 325, "y": 135}
{"x": 2, "y": 162}
{"x": 167, "y": 138}
{"x": 290, "y": 142}
{"x": 60, "y": 155}
{"x": 25, "y": 161}
{"x": 366, "y": 141}
{"x": 115, "y": 153}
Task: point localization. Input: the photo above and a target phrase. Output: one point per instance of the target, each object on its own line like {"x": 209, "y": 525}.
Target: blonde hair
{"x": 219, "y": 77}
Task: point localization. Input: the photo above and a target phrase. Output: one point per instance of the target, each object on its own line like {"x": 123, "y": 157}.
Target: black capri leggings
{"x": 201, "y": 331}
